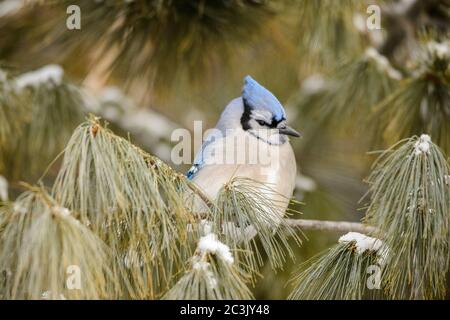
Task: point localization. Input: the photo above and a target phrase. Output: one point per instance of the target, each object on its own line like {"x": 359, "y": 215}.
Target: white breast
{"x": 275, "y": 166}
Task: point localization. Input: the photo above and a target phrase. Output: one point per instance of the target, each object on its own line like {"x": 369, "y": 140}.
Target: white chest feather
{"x": 229, "y": 157}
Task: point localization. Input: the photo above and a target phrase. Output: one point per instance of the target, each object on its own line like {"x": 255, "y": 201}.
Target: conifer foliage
{"x": 87, "y": 213}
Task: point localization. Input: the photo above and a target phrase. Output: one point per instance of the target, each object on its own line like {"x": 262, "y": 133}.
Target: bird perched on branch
{"x": 251, "y": 141}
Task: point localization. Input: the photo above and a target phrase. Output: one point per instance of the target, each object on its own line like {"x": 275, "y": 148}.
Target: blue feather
{"x": 258, "y": 97}
{"x": 192, "y": 171}
{"x": 200, "y": 157}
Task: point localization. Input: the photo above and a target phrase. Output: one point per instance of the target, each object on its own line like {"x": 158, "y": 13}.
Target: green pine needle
{"x": 200, "y": 33}
{"x": 13, "y": 115}
{"x": 39, "y": 242}
{"x": 328, "y": 28}
{"x": 421, "y": 103}
{"x": 410, "y": 205}
{"x": 211, "y": 277}
{"x": 133, "y": 201}
{"x": 349, "y": 94}
{"x": 244, "y": 203}
{"x": 53, "y": 110}
{"x": 339, "y": 273}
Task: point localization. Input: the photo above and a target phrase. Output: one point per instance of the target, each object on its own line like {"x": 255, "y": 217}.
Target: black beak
{"x": 289, "y": 131}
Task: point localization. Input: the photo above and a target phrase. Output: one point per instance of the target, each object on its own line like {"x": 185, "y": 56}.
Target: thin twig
{"x": 200, "y": 193}
{"x": 323, "y": 225}
{"x": 304, "y": 224}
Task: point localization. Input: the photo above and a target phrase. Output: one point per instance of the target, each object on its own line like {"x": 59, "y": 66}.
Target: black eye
{"x": 261, "y": 122}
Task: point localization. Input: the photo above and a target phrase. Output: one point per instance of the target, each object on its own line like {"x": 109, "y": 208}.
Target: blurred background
{"x": 354, "y": 76}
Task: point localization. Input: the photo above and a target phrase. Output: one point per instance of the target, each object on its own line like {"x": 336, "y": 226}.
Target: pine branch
{"x": 40, "y": 240}
{"x": 149, "y": 128}
{"x": 404, "y": 18}
{"x": 213, "y": 274}
{"x": 304, "y": 224}
{"x": 200, "y": 32}
{"x": 341, "y": 272}
{"x": 324, "y": 39}
{"x": 38, "y": 111}
{"x": 323, "y": 225}
{"x": 137, "y": 194}
{"x": 410, "y": 205}
{"x": 421, "y": 104}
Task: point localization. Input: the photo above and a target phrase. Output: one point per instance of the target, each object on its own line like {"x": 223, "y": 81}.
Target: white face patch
{"x": 263, "y": 115}
{"x": 270, "y": 136}
{"x": 263, "y": 131}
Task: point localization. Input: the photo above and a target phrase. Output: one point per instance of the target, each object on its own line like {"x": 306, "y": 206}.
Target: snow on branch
{"x": 323, "y": 225}
{"x": 383, "y": 63}
{"x": 51, "y": 73}
{"x": 210, "y": 244}
{"x": 363, "y": 243}
{"x": 422, "y": 146}
{"x": 439, "y": 49}
{"x": 3, "y": 189}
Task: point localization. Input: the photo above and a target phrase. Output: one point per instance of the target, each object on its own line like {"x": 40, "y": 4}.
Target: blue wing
{"x": 192, "y": 171}
{"x": 258, "y": 97}
{"x": 204, "y": 152}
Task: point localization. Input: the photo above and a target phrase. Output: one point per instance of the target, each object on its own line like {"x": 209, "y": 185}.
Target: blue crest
{"x": 258, "y": 97}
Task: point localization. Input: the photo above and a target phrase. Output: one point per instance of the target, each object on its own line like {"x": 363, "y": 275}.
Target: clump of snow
{"x": 47, "y": 295}
{"x": 447, "y": 179}
{"x": 61, "y": 211}
{"x": 362, "y": 242}
{"x": 3, "y": 189}
{"x": 8, "y": 7}
{"x": 305, "y": 183}
{"x": 210, "y": 244}
{"x": 66, "y": 214}
{"x": 365, "y": 243}
{"x": 422, "y": 146}
{"x": 19, "y": 209}
{"x": 51, "y": 73}
{"x": 383, "y": 63}
{"x": 440, "y": 50}
{"x": 359, "y": 22}
{"x": 313, "y": 84}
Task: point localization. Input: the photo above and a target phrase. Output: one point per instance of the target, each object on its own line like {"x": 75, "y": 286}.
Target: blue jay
{"x": 255, "y": 121}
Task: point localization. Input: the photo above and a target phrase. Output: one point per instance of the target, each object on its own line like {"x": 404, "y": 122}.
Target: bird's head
{"x": 263, "y": 115}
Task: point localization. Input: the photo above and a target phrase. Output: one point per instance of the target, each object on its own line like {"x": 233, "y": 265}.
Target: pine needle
{"x": 200, "y": 32}
{"x": 133, "y": 201}
{"x": 421, "y": 103}
{"x": 54, "y": 108}
{"x": 331, "y": 34}
{"x": 243, "y": 205}
{"x": 339, "y": 273}
{"x": 349, "y": 93}
{"x": 13, "y": 115}
{"x": 40, "y": 242}
{"x": 211, "y": 277}
{"x": 410, "y": 205}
